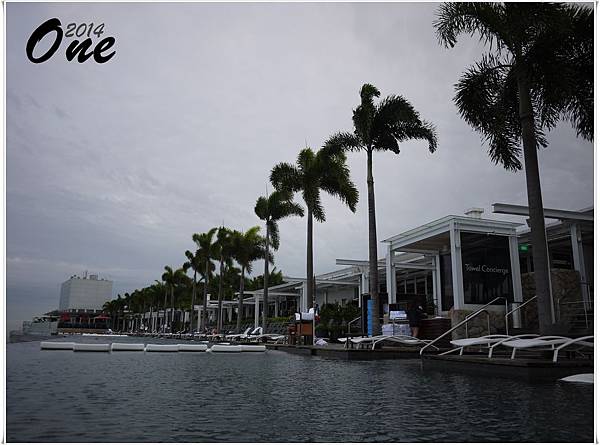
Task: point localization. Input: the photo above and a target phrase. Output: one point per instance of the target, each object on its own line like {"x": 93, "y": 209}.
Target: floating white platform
{"x": 226, "y": 348}
{"x": 192, "y": 348}
{"x": 91, "y": 347}
{"x": 579, "y": 378}
{"x": 162, "y": 348}
{"x": 57, "y": 345}
{"x": 127, "y": 347}
{"x": 253, "y": 348}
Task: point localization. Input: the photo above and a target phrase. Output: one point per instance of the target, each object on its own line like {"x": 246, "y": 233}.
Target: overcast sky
{"x": 112, "y": 167}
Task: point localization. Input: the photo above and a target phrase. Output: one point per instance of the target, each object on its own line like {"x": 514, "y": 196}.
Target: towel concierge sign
{"x": 487, "y": 272}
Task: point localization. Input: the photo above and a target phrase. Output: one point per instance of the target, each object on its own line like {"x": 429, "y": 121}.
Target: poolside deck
{"x": 532, "y": 368}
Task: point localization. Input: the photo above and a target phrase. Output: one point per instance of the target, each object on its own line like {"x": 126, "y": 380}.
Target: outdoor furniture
{"x": 486, "y": 341}
{"x": 549, "y": 342}
{"x": 238, "y": 336}
{"x": 580, "y": 342}
{"x": 405, "y": 340}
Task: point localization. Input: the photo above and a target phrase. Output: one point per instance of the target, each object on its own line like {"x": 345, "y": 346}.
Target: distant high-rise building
{"x": 85, "y": 293}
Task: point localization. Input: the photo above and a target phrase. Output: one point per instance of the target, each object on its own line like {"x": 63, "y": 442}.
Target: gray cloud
{"x": 112, "y": 167}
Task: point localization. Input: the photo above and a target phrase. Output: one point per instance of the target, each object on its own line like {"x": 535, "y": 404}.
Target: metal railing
{"x": 347, "y": 342}
{"x": 560, "y": 304}
{"x": 516, "y": 309}
{"x": 465, "y": 321}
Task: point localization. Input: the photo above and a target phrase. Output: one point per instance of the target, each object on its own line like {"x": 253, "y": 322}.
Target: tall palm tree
{"x": 224, "y": 251}
{"x": 172, "y": 278}
{"x": 539, "y": 70}
{"x": 207, "y": 252}
{"x": 271, "y": 209}
{"x": 380, "y": 127}
{"x": 196, "y": 263}
{"x": 248, "y": 247}
{"x": 312, "y": 173}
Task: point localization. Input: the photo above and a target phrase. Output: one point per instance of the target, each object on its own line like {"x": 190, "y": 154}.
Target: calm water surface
{"x": 62, "y": 396}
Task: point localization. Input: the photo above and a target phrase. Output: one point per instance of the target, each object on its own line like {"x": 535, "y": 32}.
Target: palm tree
{"x": 206, "y": 252}
{"x": 196, "y": 263}
{"x": 312, "y": 173}
{"x": 224, "y": 253}
{"x": 172, "y": 278}
{"x": 539, "y": 69}
{"x": 248, "y": 247}
{"x": 271, "y": 209}
{"x": 380, "y": 127}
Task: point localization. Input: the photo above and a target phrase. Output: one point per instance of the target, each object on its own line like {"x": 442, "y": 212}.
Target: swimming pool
{"x": 66, "y": 396}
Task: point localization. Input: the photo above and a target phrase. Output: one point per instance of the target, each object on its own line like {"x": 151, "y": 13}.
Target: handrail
{"x": 516, "y": 309}
{"x": 347, "y": 343}
{"x": 452, "y": 329}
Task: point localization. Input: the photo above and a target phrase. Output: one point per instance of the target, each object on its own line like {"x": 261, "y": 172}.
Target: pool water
{"x": 63, "y": 396}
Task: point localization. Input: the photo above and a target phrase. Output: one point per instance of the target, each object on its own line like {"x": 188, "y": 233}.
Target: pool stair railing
{"x": 464, "y": 323}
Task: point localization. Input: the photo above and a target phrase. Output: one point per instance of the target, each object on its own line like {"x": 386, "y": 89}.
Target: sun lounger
{"x": 270, "y": 337}
{"x": 486, "y": 341}
{"x": 545, "y": 343}
{"x": 405, "y": 340}
{"x": 581, "y": 342}
{"x": 237, "y": 336}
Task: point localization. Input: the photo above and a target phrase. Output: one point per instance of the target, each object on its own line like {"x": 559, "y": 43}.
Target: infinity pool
{"x": 63, "y": 396}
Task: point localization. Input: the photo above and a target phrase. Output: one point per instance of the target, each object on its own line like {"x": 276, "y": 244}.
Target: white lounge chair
{"x": 272, "y": 337}
{"x": 486, "y": 341}
{"x": 549, "y": 342}
{"x": 581, "y": 342}
{"x": 405, "y": 340}
{"x": 237, "y": 336}
{"x": 257, "y": 332}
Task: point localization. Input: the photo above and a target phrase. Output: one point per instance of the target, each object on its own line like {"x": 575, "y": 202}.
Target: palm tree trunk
{"x": 240, "y": 303}
{"x": 373, "y": 274}
{"x": 165, "y": 310}
{"x": 536, "y": 210}
{"x": 172, "y": 307}
{"x": 266, "y": 281}
{"x": 205, "y": 302}
{"x": 309, "y": 260}
{"x": 220, "y": 315}
{"x": 193, "y": 302}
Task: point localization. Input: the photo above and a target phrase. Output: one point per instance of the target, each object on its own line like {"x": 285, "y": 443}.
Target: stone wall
{"x": 478, "y": 326}
{"x": 565, "y": 287}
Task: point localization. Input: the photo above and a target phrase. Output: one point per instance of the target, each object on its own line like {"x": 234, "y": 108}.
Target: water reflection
{"x": 133, "y": 397}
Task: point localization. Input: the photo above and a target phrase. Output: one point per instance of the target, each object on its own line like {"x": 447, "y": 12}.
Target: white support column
{"x": 364, "y": 286}
{"x": 437, "y": 284}
{"x": 303, "y": 298}
{"x": 276, "y": 306}
{"x": 457, "y": 272}
{"x": 579, "y": 262}
{"x": 230, "y": 313}
{"x": 199, "y": 315}
{"x": 515, "y": 266}
{"x": 390, "y": 275}
{"x": 256, "y": 310}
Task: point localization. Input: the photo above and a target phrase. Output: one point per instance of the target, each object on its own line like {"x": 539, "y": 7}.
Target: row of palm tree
{"x": 539, "y": 70}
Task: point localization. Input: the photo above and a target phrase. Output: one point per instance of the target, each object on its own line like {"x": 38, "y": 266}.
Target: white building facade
{"x": 85, "y": 293}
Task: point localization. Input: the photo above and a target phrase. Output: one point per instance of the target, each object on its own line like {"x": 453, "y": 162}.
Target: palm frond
{"x": 482, "y": 18}
{"x": 285, "y": 176}
{"x": 340, "y": 142}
